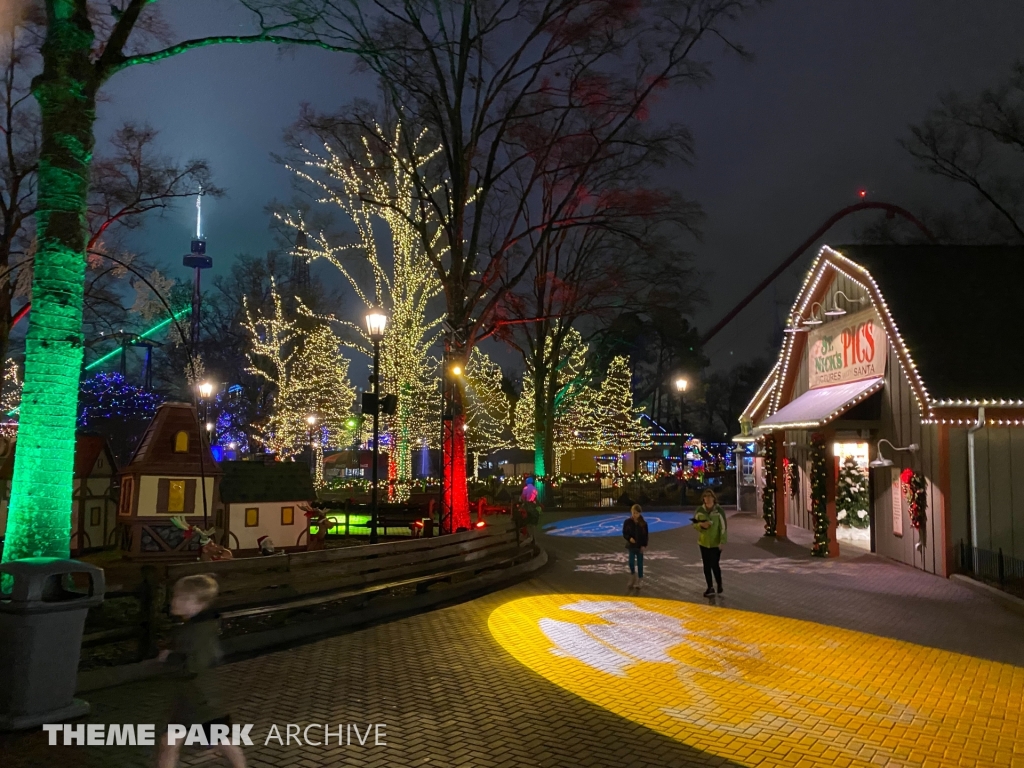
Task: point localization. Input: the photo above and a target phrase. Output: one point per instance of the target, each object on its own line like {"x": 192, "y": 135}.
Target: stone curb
{"x": 1008, "y": 601}
{"x": 252, "y": 644}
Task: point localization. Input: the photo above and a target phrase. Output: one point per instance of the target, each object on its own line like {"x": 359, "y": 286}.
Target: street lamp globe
{"x": 311, "y": 420}
{"x": 681, "y": 384}
{"x": 206, "y": 389}
{"x": 376, "y": 323}
{"x": 456, "y": 370}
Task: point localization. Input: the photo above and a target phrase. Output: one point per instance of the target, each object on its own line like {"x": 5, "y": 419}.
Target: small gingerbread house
{"x": 172, "y": 474}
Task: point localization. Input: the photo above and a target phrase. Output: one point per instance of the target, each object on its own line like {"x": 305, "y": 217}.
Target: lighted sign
{"x": 852, "y": 349}
{"x": 756, "y": 689}
{"x": 611, "y": 525}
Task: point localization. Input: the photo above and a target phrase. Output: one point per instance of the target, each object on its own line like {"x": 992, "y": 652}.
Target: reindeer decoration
{"x": 209, "y": 550}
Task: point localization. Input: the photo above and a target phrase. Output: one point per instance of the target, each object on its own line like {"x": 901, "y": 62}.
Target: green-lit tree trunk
{"x": 39, "y": 518}
{"x": 540, "y": 466}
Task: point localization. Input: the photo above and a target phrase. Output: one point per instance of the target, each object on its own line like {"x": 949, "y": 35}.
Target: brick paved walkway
{"x": 664, "y": 679}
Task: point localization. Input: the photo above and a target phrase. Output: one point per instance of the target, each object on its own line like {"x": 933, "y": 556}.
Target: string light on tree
{"x": 384, "y": 191}
{"x": 616, "y": 424}
{"x": 309, "y": 374}
{"x": 768, "y": 495}
{"x": 487, "y": 408}
{"x": 819, "y": 500}
{"x": 573, "y": 401}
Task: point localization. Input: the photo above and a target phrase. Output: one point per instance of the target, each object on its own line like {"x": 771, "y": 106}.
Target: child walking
{"x": 710, "y": 520}
{"x": 634, "y": 531}
{"x": 197, "y": 649}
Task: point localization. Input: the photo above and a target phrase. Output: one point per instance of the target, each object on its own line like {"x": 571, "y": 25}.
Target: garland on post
{"x": 915, "y": 491}
{"x": 819, "y": 501}
{"x": 768, "y": 496}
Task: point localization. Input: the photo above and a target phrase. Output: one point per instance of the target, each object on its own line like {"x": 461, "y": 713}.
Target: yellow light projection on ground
{"x": 767, "y": 691}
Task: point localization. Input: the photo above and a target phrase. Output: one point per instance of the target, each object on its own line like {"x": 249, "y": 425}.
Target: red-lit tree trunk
{"x": 454, "y": 486}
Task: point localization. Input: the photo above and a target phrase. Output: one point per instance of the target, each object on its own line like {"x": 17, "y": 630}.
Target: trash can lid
{"x": 33, "y": 580}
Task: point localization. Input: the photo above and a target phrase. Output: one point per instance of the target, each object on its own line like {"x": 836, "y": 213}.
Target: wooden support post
{"x": 831, "y": 481}
{"x": 781, "y": 501}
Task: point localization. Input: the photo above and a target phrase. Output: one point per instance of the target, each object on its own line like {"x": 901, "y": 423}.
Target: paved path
{"x": 568, "y": 669}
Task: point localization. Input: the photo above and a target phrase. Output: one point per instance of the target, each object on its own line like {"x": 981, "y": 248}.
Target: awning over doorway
{"x": 819, "y": 406}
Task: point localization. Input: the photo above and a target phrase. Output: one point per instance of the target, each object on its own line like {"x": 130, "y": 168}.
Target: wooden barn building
{"x": 900, "y": 366}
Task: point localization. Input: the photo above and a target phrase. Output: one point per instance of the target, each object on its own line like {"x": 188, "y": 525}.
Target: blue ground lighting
{"x": 597, "y": 526}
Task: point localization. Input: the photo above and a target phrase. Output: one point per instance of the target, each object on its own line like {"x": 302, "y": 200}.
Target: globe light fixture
{"x": 311, "y": 420}
{"x": 456, "y": 370}
{"x": 376, "y": 324}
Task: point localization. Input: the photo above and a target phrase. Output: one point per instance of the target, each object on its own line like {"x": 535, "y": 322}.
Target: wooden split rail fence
{"x": 284, "y": 587}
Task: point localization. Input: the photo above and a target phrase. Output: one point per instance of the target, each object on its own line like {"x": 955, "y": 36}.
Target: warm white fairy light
{"x": 387, "y": 191}
{"x": 573, "y": 399}
{"x": 487, "y": 407}
{"x": 309, "y": 374}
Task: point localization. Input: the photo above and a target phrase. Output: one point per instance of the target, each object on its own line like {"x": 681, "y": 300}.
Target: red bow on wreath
{"x": 915, "y": 491}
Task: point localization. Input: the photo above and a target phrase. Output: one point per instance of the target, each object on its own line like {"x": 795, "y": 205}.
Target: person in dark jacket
{"x": 196, "y": 650}
{"x": 634, "y": 531}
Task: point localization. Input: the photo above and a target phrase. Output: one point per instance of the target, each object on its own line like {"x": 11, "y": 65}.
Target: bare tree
{"x": 594, "y": 274}
{"x": 85, "y": 44}
{"x": 523, "y": 96}
{"x": 978, "y": 144}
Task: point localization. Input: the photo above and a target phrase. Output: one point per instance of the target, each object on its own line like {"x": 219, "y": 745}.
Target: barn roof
{"x": 957, "y": 310}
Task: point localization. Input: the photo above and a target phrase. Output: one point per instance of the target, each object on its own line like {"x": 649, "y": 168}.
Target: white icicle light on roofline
{"x": 891, "y": 329}
{"x": 838, "y": 411}
{"x": 979, "y": 403}
{"x": 971, "y": 422}
{"x": 790, "y": 340}
{"x": 763, "y": 393}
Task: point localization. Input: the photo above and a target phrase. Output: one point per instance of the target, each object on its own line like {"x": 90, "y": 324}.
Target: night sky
{"x": 783, "y": 141}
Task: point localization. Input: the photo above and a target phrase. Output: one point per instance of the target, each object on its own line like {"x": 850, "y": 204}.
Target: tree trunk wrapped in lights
{"x": 405, "y": 286}
{"x": 39, "y": 518}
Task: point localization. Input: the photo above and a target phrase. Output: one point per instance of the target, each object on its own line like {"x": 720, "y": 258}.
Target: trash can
{"x": 42, "y": 616}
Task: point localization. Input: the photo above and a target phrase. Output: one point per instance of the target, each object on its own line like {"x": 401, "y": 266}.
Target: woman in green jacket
{"x": 710, "y": 520}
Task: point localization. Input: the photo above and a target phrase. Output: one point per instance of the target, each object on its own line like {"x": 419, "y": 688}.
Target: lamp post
{"x": 376, "y": 324}
{"x": 681, "y": 384}
{"x": 311, "y": 423}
